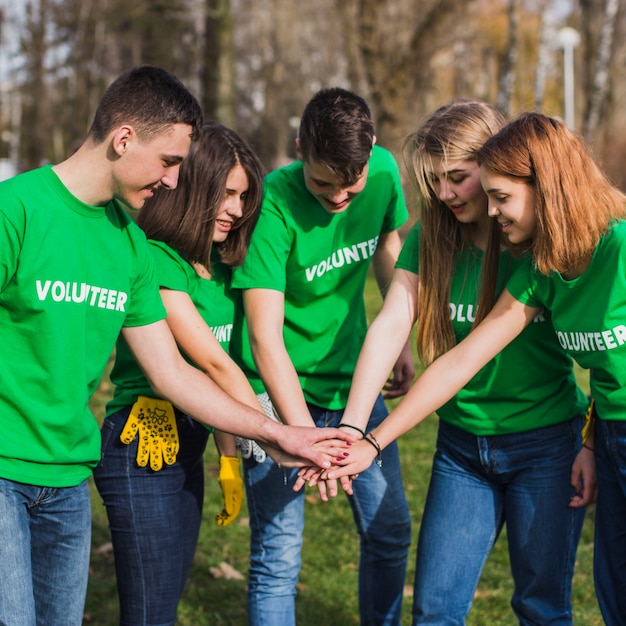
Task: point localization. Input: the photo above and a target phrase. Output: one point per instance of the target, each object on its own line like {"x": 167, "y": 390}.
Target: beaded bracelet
{"x": 374, "y": 442}
{"x": 353, "y": 428}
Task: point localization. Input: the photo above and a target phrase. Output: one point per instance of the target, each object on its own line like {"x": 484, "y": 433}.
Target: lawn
{"x": 327, "y": 592}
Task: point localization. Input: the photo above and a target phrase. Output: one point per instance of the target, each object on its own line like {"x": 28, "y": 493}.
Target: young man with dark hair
{"x": 324, "y": 219}
{"x": 74, "y": 272}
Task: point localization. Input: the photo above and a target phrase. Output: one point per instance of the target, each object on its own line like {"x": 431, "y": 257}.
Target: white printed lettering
{"x": 77, "y": 293}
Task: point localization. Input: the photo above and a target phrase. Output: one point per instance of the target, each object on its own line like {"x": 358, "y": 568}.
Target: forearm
{"x": 383, "y": 344}
{"x": 225, "y": 443}
{"x": 197, "y": 395}
{"x": 384, "y": 260}
{"x": 438, "y": 384}
{"x": 386, "y": 340}
{"x": 281, "y": 382}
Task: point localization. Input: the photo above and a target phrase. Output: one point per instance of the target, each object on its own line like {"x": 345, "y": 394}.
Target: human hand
{"x": 399, "y": 383}
{"x": 231, "y": 485}
{"x": 313, "y": 476}
{"x": 583, "y": 477}
{"x": 362, "y": 453}
{"x": 318, "y": 446}
{"x": 155, "y": 422}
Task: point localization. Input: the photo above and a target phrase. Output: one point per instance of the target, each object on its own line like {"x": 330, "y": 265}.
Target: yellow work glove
{"x": 589, "y": 418}
{"x": 155, "y": 422}
{"x": 232, "y": 490}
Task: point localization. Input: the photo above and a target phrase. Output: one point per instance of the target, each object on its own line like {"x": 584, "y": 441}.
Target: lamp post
{"x": 568, "y": 39}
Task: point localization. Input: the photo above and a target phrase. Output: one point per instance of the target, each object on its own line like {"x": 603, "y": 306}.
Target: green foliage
{"x": 327, "y": 591}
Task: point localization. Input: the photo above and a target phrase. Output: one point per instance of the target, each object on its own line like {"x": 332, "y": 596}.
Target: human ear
{"x": 121, "y": 138}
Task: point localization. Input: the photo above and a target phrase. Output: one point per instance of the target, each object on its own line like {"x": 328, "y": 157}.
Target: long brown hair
{"x": 184, "y": 218}
{"x": 575, "y": 202}
{"x": 454, "y": 132}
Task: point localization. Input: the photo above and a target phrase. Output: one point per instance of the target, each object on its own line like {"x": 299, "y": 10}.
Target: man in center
{"x": 324, "y": 219}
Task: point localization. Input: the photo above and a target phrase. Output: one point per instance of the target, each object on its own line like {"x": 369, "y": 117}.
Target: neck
{"x": 87, "y": 176}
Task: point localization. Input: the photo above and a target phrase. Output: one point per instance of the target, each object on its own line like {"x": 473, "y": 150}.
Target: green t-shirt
{"x": 589, "y": 317}
{"x": 530, "y": 384}
{"x": 320, "y": 262}
{"x": 71, "y": 275}
{"x": 213, "y": 299}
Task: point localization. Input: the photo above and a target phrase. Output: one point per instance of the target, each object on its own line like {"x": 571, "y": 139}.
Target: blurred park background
{"x": 254, "y": 64}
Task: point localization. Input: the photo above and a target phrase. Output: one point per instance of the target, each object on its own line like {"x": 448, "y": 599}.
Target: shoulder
{"x": 291, "y": 174}
{"x": 382, "y": 159}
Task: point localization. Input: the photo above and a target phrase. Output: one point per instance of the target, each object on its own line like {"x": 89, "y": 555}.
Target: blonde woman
{"x": 508, "y": 439}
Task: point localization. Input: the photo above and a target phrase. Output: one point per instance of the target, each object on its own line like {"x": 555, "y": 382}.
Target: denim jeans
{"x": 382, "y": 519}
{"x": 44, "y": 554}
{"x": 609, "y": 559}
{"x": 154, "y": 519}
{"x": 480, "y": 483}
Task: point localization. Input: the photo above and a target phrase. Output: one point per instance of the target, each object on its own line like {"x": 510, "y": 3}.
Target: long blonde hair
{"x": 454, "y": 132}
{"x": 575, "y": 203}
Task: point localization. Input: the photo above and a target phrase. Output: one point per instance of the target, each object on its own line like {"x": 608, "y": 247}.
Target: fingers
{"x": 332, "y": 448}
{"x": 342, "y": 434}
{"x": 346, "y": 484}
{"x": 396, "y": 387}
{"x": 321, "y": 487}
{"x": 313, "y": 477}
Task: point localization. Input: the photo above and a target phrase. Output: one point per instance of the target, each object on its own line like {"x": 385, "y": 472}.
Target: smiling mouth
{"x": 224, "y": 224}
{"x": 337, "y": 205}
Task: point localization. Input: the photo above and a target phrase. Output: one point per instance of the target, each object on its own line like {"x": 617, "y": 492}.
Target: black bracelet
{"x": 353, "y": 428}
{"x": 374, "y": 442}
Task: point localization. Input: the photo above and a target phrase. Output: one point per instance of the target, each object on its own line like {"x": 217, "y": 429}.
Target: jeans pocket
{"x": 106, "y": 433}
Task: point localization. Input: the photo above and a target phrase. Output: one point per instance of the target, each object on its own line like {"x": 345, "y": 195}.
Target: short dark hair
{"x": 148, "y": 98}
{"x": 184, "y": 217}
{"x": 337, "y": 131}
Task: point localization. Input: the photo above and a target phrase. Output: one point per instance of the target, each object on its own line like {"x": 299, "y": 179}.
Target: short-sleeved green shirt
{"x": 71, "y": 276}
{"x": 589, "y": 317}
{"x": 530, "y": 384}
{"x": 319, "y": 261}
{"x": 214, "y": 300}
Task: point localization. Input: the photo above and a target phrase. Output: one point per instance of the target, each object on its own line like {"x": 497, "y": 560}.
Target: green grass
{"x": 327, "y": 591}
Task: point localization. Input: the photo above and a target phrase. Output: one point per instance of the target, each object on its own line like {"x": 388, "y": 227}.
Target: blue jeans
{"x": 480, "y": 483}
{"x": 44, "y": 554}
{"x": 609, "y": 558}
{"x": 154, "y": 519}
{"x": 382, "y": 518}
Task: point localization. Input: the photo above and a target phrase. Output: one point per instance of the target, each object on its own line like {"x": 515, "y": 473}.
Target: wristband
{"x": 353, "y": 428}
{"x": 374, "y": 442}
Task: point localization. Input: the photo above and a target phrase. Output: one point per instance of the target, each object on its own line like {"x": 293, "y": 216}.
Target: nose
{"x": 338, "y": 196}
{"x": 493, "y": 210}
{"x": 170, "y": 178}
{"x": 445, "y": 191}
{"x": 234, "y": 206}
